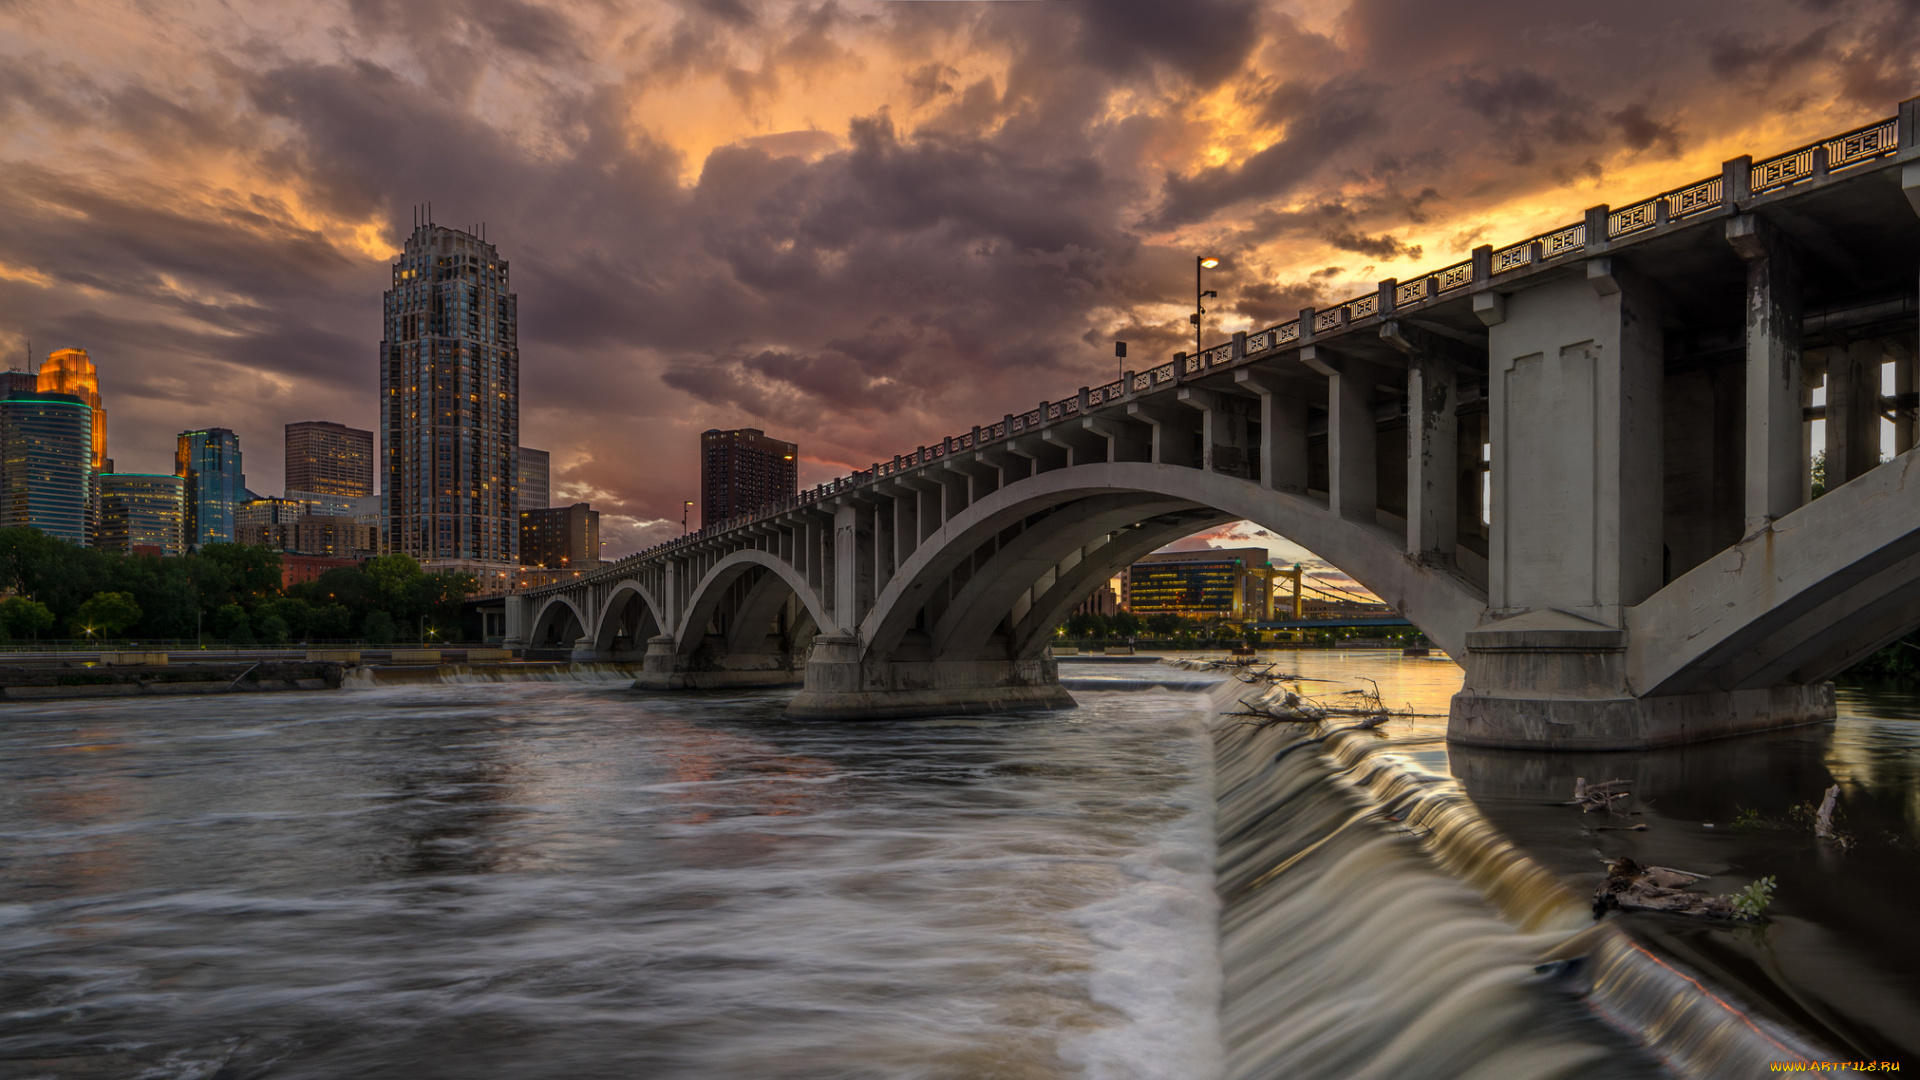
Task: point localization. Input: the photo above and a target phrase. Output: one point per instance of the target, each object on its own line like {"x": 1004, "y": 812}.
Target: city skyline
{"x": 1029, "y": 185}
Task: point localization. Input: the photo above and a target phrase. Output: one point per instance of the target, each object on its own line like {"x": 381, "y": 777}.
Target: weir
{"x": 1374, "y": 924}
{"x": 1579, "y": 463}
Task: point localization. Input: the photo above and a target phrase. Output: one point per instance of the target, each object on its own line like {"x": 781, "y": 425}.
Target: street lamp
{"x": 1200, "y": 262}
{"x": 686, "y": 511}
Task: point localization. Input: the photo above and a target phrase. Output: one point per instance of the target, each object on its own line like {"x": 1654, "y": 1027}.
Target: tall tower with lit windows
{"x": 450, "y": 406}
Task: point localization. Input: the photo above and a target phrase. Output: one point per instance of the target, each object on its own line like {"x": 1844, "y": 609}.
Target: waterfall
{"x": 1374, "y": 924}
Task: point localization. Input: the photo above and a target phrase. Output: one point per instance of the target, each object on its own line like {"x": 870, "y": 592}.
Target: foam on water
{"x": 1158, "y": 963}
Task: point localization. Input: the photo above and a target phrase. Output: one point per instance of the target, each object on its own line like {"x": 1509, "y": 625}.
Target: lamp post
{"x": 686, "y": 511}
{"x": 1200, "y": 262}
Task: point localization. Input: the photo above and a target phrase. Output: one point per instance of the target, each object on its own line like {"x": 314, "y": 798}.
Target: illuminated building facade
{"x": 143, "y": 513}
{"x": 561, "y": 537}
{"x": 743, "y": 470}
{"x": 450, "y": 406}
{"x": 329, "y": 459}
{"x": 535, "y": 490}
{"x": 1225, "y": 583}
{"x": 266, "y": 522}
{"x": 71, "y": 371}
{"x": 209, "y": 462}
{"x": 46, "y": 464}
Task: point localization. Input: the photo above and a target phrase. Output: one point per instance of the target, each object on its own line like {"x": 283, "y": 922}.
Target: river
{"x": 572, "y": 879}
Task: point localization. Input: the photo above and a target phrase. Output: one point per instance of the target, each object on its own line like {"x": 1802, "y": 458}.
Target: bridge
{"x": 1580, "y": 463}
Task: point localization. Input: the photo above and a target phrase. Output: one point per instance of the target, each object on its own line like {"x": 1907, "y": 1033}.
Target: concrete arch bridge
{"x": 1580, "y": 463}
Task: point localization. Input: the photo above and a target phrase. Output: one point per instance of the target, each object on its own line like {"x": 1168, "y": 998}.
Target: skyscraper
{"x": 325, "y": 458}
{"x": 71, "y": 371}
{"x": 535, "y": 491}
{"x": 450, "y": 406}
{"x": 743, "y": 470}
{"x": 209, "y": 461}
{"x": 46, "y": 464}
{"x": 142, "y": 513}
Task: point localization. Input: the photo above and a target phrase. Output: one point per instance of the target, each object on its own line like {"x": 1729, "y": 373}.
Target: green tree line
{"x": 227, "y": 593}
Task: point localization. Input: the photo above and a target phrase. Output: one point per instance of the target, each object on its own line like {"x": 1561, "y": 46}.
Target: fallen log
{"x": 1630, "y": 886}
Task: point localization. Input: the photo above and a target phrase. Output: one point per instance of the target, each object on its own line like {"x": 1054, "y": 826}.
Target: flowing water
{"x": 571, "y": 879}
{"x": 583, "y": 881}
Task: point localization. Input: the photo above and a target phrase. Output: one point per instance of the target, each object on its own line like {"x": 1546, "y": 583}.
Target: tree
{"x": 104, "y": 615}
{"x": 392, "y": 578}
{"x": 345, "y": 586}
{"x": 1164, "y": 624}
{"x": 254, "y": 570}
{"x": 229, "y": 622}
{"x": 294, "y": 614}
{"x": 21, "y": 552}
{"x": 330, "y": 622}
{"x": 271, "y": 629}
{"x": 211, "y": 580}
{"x": 379, "y": 629}
{"x": 23, "y": 617}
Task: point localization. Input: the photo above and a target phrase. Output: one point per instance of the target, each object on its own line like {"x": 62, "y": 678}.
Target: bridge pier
{"x": 1550, "y": 680}
{"x": 1579, "y": 437}
{"x": 842, "y": 684}
{"x": 666, "y": 668}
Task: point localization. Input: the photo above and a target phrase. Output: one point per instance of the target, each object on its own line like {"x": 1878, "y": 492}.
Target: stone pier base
{"x": 664, "y": 668}
{"x": 1629, "y": 723}
{"x": 841, "y": 686}
{"x": 1553, "y": 681}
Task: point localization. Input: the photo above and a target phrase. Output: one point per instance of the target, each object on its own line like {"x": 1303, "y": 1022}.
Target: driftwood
{"x": 1823, "y": 820}
{"x": 1289, "y": 706}
{"x": 1591, "y": 797}
{"x": 1630, "y": 886}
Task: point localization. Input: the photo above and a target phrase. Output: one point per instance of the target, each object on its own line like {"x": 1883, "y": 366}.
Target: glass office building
{"x": 1226, "y": 583}
{"x": 143, "y": 513}
{"x": 46, "y": 464}
{"x": 208, "y": 461}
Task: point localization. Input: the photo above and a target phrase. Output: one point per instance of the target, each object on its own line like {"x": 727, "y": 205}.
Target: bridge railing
{"x": 1846, "y": 150}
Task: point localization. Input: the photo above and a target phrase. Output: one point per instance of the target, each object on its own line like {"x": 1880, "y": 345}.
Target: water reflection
{"x": 1834, "y": 958}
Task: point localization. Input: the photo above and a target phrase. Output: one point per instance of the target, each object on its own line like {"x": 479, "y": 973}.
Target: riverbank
{"x": 46, "y": 682}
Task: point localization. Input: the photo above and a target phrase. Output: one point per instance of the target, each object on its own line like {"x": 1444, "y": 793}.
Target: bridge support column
{"x": 1853, "y": 411}
{"x": 1578, "y": 431}
{"x": 519, "y": 619}
{"x": 1776, "y": 448}
{"x": 843, "y": 683}
{"x": 1433, "y": 435}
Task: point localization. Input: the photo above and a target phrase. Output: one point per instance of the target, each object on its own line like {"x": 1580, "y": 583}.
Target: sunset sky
{"x": 860, "y": 225}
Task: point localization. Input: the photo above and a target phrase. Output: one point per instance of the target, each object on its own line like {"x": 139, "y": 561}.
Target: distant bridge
{"x": 1648, "y": 569}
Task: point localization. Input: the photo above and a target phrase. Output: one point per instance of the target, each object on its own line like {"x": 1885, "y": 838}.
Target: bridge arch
{"x": 559, "y": 622}
{"x": 755, "y": 609}
{"x": 631, "y": 611}
{"x": 1137, "y": 506}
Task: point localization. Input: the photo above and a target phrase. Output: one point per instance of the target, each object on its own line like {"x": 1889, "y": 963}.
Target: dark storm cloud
{"x": 960, "y": 225}
{"x": 1206, "y": 41}
{"x": 1318, "y": 126}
